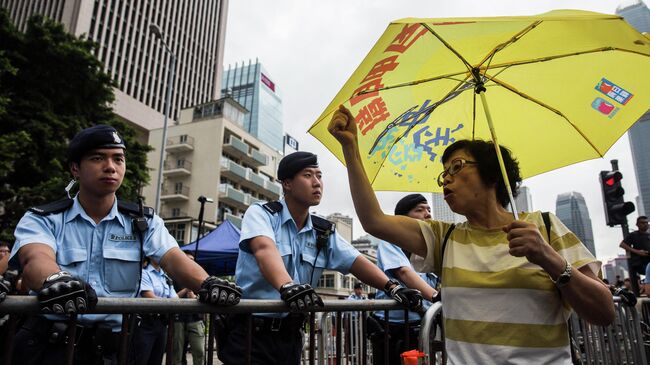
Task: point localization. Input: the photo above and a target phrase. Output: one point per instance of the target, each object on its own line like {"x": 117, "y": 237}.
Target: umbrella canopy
{"x": 561, "y": 87}
{"x": 218, "y": 250}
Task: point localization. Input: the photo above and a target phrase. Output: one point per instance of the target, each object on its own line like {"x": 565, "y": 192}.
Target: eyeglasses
{"x": 4, "y": 251}
{"x": 454, "y": 167}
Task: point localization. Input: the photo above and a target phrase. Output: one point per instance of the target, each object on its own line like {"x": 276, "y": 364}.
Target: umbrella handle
{"x": 499, "y": 157}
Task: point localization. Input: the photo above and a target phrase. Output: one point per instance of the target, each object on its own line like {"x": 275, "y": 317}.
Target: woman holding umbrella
{"x": 507, "y": 292}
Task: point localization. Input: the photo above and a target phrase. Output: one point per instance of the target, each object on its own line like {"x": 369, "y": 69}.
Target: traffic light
{"x": 616, "y": 209}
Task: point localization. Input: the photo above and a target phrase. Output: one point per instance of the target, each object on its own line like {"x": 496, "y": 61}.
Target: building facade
{"x": 440, "y": 210}
{"x": 524, "y": 200}
{"x": 572, "y": 210}
{"x": 638, "y": 15}
{"x": 135, "y": 59}
{"x": 251, "y": 85}
{"x": 208, "y": 153}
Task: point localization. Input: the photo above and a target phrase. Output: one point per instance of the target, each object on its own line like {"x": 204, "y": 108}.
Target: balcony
{"x": 252, "y": 200}
{"x": 173, "y": 213}
{"x": 179, "y": 144}
{"x": 242, "y": 151}
{"x": 233, "y": 170}
{"x": 273, "y": 189}
{"x": 177, "y": 168}
{"x": 175, "y": 193}
{"x": 233, "y": 219}
{"x": 232, "y": 196}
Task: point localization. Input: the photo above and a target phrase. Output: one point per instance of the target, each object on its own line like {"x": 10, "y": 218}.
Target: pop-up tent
{"x": 218, "y": 250}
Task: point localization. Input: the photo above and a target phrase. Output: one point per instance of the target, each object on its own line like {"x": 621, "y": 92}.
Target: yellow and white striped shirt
{"x": 497, "y": 308}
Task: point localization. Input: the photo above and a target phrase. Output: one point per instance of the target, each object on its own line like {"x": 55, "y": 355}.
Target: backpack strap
{"x": 52, "y": 207}
{"x": 444, "y": 245}
{"x": 324, "y": 228}
{"x": 547, "y": 225}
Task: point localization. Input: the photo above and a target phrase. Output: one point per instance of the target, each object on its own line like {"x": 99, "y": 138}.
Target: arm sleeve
{"x": 391, "y": 257}
{"x": 32, "y": 228}
{"x": 256, "y": 222}
{"x": 341, "y": 254}
{"x": 432, "y": 233}
{"x": 146, "y": 284}
{"x": 158, "y": 241}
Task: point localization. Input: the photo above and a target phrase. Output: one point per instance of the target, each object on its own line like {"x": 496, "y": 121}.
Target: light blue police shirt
{"x": 106, "y": 255}
{"x": 158, "y": 282}
{"x": 389, "y": 258}
{"x": 303, "y": 261}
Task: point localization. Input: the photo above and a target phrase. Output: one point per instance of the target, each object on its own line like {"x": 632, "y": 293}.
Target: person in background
{"x": 395, "y": 262}
{"x": 189, "y": 328}
{"x": 637, "y": 245}
{"x": 358, "y": 293}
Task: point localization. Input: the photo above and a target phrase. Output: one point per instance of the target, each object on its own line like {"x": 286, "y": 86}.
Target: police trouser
{"x": 194, "y": 333}
{"x": 396, "y": 341}
{"x": 274, "y": 341}
{"x": 40, "y": 341}
{"x": 149, "y": 339}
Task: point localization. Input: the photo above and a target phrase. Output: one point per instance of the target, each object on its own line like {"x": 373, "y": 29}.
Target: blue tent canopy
{"x": 218, "y": 250}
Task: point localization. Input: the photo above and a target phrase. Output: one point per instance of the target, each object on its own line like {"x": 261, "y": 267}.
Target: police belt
{"x": 56, "y": 333}
{"x": 290, "y": 323}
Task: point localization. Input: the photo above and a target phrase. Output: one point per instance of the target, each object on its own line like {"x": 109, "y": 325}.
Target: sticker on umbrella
{"x": 614, "y": 91}
{"x": 605, "y": 107}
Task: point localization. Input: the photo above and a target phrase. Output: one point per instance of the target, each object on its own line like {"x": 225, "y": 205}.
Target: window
{"x": 176, "y": 212}
{"x": 326, "y": 281}
{"x": 177, "y": 230}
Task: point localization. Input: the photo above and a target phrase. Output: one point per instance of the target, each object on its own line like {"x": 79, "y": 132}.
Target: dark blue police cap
{"x": 293, "y": 163}
{"x": 98, "y": 136}
{"x": 409, "y": 202}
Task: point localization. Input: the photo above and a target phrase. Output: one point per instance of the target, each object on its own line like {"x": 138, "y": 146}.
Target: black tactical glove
{"x": 409, "y": 298}
{"x": 300, "y": 296}
{"x": 5, "y": 288}
{"x": 220, "y": 292}
{"x": 627, "y": 297}
{"x": 64, "y": 294}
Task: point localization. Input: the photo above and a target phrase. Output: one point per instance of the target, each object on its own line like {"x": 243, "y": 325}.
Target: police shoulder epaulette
{"x": 133, "y": 208}
{"x": 53, "y": 207}
{"x": 322, "y": 224}
{"x": 273, "y": 207}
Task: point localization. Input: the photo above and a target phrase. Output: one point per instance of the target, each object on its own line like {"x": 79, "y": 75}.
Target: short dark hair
{"x": 641, "y": 217}
{"x": 484, "y": 153}
{"x": 358, "y": 286}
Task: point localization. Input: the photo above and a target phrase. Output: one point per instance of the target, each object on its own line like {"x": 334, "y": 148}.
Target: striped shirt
{"x": 498, "y": 308}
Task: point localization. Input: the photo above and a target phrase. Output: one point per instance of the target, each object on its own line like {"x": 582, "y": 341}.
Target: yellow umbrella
{"x": 561, "y": 87}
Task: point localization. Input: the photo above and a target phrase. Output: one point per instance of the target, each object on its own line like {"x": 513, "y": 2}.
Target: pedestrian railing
{"x": 337, "y": 332}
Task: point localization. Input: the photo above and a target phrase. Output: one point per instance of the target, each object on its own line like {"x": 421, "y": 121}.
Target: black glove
{"x": 5, "y": 288}
{"x": 63, "y": 293}
{"x": 220, "y": 292}
{"x": 409, "y": 298}
{"x": 300, "y": 296}
{"x": 627, "y": 297}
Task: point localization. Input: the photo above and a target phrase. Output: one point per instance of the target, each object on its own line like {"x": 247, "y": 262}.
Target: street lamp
{"x": 155, "y": 30}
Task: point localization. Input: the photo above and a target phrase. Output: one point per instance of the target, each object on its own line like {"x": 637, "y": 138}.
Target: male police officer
{"x": 290, "y": 248}
{"x": 395, "y": 263}
{"x": 74, "y": 250}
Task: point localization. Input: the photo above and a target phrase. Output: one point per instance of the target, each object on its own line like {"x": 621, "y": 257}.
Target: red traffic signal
{"x": 616, "y": 208}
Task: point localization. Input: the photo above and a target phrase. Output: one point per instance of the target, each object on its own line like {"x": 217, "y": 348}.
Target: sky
{"x": 310, "y": 48}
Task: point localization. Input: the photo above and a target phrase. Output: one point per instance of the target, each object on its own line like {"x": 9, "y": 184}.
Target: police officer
{"x": 150, "y": 335}
{"x": 395, "y": 263}
{"x": 283, "y": 251}
{"x": 75, "y": 250}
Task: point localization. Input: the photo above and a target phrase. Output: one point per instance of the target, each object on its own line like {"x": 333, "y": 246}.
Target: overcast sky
{"x": 310, "y": 48}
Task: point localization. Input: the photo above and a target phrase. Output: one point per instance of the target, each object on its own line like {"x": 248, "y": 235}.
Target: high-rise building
{"x": 135, "y": 59}
{"x": 208, "y": 153}
{"x": 572, "y": 210}
{"x": 251, "y": 85}
{"x": 524, "y": 200}
{"x": 638, "y": 15}
{"x": 440, "y": 211}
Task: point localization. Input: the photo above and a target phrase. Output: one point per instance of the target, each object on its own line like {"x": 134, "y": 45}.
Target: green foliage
{"x": 51, "y": 87}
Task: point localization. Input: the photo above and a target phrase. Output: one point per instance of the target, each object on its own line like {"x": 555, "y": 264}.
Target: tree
{"x": 51, "y": 87}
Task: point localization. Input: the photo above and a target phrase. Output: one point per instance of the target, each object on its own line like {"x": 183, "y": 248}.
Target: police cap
{"x": 408, "y": 202}
{"x": 291, "y": 164}
{"x": 98, "y": 136}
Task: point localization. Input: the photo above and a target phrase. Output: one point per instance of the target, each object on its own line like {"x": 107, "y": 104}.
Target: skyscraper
{"x": 440, "y": 211}
{"x": 524, "y": 200}
{"x": 638, "y": 15}
{"x": 136, "y": 61}
{"x": 252, "y": 87}
{"x": 572, "y": 211}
